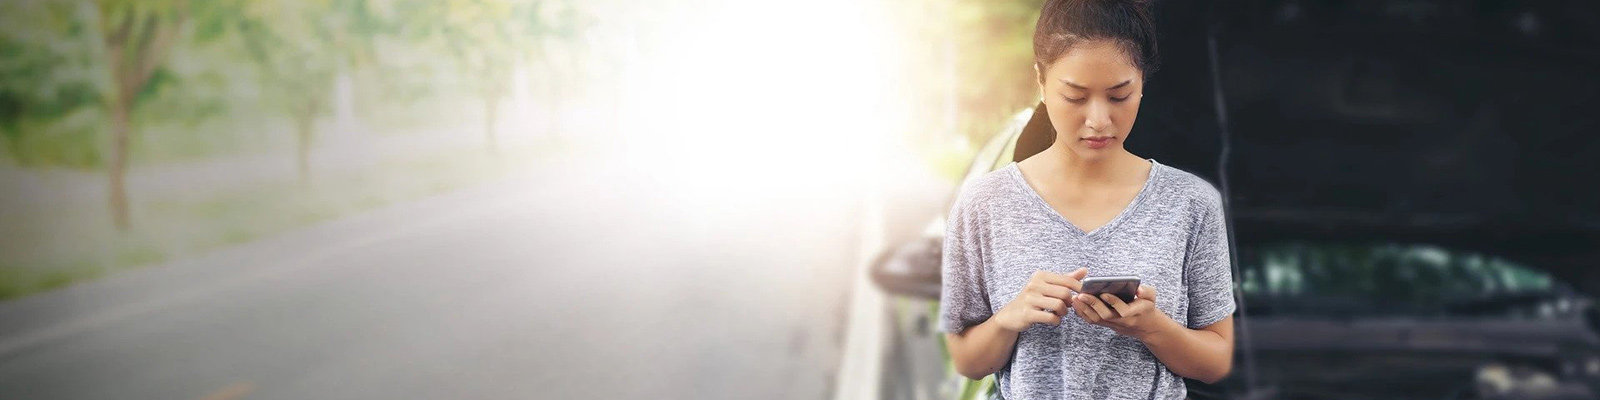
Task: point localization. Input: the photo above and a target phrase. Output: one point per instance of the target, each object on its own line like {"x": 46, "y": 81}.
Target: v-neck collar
{"x": 1155, "y": 172}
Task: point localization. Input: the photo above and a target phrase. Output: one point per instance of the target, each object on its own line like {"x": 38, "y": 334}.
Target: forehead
{"x": 1093, "y": 63}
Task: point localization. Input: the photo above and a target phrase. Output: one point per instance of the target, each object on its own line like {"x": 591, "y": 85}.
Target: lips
{"x": 1098, "y": 142}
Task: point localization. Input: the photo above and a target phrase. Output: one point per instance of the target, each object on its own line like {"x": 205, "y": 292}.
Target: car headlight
{"x": 1497, "y": 379}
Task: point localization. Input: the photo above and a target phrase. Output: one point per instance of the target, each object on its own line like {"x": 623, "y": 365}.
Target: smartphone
{"x": 1124, "y": 287}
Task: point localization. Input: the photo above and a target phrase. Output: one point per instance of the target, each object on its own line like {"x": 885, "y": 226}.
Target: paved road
{"x": 587, "y": 279}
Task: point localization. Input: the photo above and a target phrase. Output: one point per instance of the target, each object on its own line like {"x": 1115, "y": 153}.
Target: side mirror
{"x": 911, "y": 269}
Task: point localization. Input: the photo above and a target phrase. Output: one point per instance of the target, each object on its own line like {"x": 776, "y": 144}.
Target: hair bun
{"x": 1062, "y": 23}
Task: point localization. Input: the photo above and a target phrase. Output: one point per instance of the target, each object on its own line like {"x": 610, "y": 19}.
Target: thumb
{"x": 1146, "y": 292}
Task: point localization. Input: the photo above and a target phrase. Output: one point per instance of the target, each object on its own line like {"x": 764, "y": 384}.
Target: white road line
{"x": 96, "y": 321}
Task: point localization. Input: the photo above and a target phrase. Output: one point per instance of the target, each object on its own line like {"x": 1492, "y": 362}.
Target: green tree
{"x": 138, "y": 35}
{"x": 50, "y": 73}
{"x": 296, "y": 48}
{"x": 554, "y": 50}
{"x": 488, "y": 39}
{"x": 484, "y": 39}
{"x": 976, "y": 56}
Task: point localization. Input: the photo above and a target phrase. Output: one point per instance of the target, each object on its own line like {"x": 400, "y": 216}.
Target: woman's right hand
{"x": 1045, "y": 299}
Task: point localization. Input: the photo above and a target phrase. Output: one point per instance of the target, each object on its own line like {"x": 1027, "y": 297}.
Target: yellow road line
{"x": 230, "y": 392}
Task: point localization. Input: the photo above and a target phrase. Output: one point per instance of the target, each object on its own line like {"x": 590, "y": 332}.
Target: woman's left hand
{"x": 1136, "y": 319}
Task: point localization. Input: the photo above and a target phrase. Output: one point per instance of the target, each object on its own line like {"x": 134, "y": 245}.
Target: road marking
{"x": 28, "y": 340}
{"x": 230, "y": 392}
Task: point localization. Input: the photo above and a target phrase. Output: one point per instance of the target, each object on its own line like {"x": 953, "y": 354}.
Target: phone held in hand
{"x": 1124, "y": 287}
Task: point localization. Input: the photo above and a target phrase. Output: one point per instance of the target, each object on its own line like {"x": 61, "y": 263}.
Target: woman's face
{"x": 1092, "y": 93}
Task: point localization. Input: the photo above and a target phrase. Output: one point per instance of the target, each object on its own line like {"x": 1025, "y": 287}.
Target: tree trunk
{"x": 132, "y": 57}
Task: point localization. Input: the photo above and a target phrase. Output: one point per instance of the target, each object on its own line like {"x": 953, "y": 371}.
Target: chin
{"x": 1090, "y": 154}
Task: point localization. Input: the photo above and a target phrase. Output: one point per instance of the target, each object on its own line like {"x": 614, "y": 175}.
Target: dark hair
{"x": 1065, "y": 23}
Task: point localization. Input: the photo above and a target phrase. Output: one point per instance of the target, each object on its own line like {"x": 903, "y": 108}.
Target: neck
{"x": 1101, "y": 170}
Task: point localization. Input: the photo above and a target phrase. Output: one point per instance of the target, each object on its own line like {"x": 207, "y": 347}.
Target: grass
{"x": 71, "y": 241}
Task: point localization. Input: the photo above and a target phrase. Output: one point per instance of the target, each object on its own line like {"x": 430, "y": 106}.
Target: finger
{"x": 1040, "y": 281}
{"x": 1051, "y": 304}
{"x": 1079, "y": 274}
{"x": 1086, "y": 309}
{"x": 1062, "y": 280}
{"x": 1116, "y": 304}
{"x": 1083, "y": 312}
{"x": 1044, "y": 317}
{"x": 1147, "y": 292}
{"x": 1053, "y": 291}
{"x": 1098, "y": 306}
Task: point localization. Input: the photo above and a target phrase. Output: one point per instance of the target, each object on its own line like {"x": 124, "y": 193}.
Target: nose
{"x": 1098, "y": 116}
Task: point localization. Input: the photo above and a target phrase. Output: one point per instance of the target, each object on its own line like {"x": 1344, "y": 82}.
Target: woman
{"x": 1021, "y": 238}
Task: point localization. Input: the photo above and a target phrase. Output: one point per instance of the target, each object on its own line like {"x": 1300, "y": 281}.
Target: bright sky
{"x": 768, "y": 93}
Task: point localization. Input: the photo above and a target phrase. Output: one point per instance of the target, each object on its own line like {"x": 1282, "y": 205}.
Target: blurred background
{"x": 330, "y": 199}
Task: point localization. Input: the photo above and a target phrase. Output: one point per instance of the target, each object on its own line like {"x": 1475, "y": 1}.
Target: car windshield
{"x": 1345, "y": 279}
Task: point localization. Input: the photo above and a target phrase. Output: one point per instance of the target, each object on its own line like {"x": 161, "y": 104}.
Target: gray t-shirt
{"x": 1172, "y": 235}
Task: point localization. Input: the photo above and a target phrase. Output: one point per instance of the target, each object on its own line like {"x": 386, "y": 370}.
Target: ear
{"x": 1038, "y": 77}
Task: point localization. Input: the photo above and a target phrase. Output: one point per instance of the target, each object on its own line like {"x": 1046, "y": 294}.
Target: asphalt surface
{"x": 583, "y": 279}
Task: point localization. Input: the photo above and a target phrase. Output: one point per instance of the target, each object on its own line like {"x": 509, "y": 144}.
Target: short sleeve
{"x": 963, "y": 299}
{"x": 1207, "y": 269}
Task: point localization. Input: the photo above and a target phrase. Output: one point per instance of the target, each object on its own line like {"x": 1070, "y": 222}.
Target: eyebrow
{"x": 1081, "y": 87}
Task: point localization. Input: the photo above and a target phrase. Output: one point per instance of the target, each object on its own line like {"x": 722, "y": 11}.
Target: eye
{"x": 1078, "y": 100}
{"x": 1120, "y": 99}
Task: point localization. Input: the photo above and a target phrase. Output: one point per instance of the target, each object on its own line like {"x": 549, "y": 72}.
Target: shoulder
{"x": 1190, "y": 189}
{"x": 980, "y": 194}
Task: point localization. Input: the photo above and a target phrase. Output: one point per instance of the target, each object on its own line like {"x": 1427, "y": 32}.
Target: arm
{"x": 1204, "y": 354}
{"x": 981, "y": 349}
